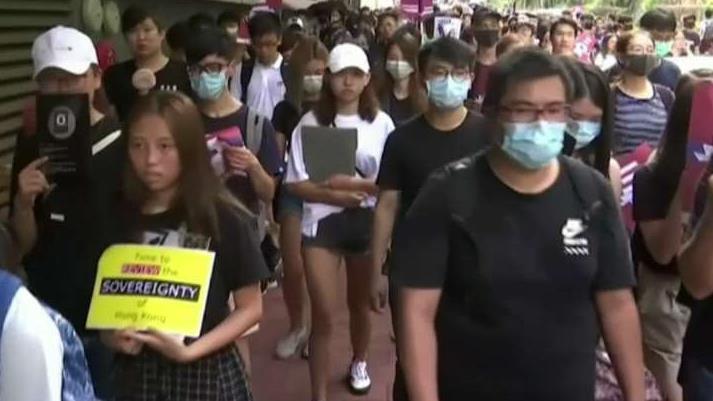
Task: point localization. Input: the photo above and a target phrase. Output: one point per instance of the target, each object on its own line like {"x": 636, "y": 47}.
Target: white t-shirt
{"x": 605, "y": 63}
{"x": 31, "y": 353}
{"x": 371, "y": 138}
{"x": 266, "y": 88}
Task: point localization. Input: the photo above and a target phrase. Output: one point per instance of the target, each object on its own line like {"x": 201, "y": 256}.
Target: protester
{"x": 144, "y": 35}
{"x": 589, "y": 132}
{"x": 589, "y": 136}
{"x": 402, "y": 95}
{"x": 486, "y": 30}
{"x": 229, "y": 21}
{"x": 386, "y": 25}
{"x": 31, "y": 348}
{"x": 655, "y": 244}
{"x": 606, "y": 58}
{"x": 498, "y": 332}
{"x": 696, "y": 374}
{"x": 642, "y": 106}
{"x": 586, "y": 41}
{"x": 250, "y": 164}
{"x": 262, "y": 78}
{"x": 526, "y": 27}
{"x": 707, "y": 32}
{"x": 176, "y": 37}
{"x": 170, "y": 185}
{"x": 508, "y": 43}
{"x": 691, "y": 33}
{"x": 447, "y": 131}
{"x": 54, "y": 224}
{"x": 305, "y": 81}
{"x": 336, "y": 223}
{"x": 661, "y": 25}
{"x": 563, "y": 34}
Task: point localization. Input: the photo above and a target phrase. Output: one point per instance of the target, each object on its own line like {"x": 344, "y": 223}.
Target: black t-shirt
{"x": 698, "y": 342}
{"x": 414, "y": 150}
{"x": 122, "y": 94}
{"x": 652, "y": 199}
{"x": 238, "y": 259}
{"x": 401, "y": 111}
{"x": 517, "y": 318}
{"x": 74, "y": 224}
{"x": 286, "y": 117}
{"x": 268, "y": 154}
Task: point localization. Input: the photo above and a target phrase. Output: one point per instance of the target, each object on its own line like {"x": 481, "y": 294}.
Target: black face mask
{"x": 641, "y": 65}
{"x": 487, "y": 37}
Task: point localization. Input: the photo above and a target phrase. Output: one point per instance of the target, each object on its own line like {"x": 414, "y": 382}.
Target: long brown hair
{"x": 308, "y": 48}
{"x": 410, "y": 46}
{"x": 199, "y": 190}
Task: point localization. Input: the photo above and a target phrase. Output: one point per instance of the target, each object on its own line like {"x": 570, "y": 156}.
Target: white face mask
{"x": 399, "y": 69}
{"x": 312, "y": 84}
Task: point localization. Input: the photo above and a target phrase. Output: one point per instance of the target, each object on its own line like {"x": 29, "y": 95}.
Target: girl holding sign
{"x": 337, "y": 217}
{"x": 170, "y": 187}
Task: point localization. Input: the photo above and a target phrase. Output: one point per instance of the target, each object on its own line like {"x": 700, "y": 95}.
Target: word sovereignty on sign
{"x": 151, "y": 288}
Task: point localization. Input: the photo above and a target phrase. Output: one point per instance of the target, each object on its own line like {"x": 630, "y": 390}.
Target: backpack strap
{"x": 9, "y": 285}
{"x": 253, "y": 139}
{"x": 246, "y": 74}
{"x": 667, "y": 96}
{"x": 585, "y": 186}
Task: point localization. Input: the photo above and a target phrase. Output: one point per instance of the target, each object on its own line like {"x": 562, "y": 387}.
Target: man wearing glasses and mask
{"x": 512, "y": 261}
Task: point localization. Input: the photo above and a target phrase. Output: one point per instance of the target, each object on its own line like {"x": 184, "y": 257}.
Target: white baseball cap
{"x": 348, "y": 55}
{"x": 64, "y": 48}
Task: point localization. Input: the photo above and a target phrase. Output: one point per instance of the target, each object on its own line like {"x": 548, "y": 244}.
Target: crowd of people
{"x": 485, "y": 209}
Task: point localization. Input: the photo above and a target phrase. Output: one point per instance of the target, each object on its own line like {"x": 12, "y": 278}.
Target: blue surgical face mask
{"x": 533, "y": 145}
{"x": 209, "y": 86}
{"x": 583, "y": 132}
{"x": 447, "y": 93}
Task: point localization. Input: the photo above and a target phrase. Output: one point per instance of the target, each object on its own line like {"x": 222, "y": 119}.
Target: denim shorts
{"x": 348, "y": 232}
{"x": 288, "y": 204}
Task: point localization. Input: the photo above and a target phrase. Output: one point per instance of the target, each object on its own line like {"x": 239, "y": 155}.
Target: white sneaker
{"x": 291, "y": 344}
{"x": 359, "y": 381}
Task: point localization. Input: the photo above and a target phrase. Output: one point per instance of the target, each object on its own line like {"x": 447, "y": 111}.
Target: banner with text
{"x": 141, "y": 287}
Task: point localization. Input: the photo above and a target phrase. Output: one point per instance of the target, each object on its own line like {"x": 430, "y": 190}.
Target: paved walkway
{"x": 276, "y": 380}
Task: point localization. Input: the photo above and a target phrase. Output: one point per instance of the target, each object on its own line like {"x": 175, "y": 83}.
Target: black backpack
{"x": 462, "y": 199}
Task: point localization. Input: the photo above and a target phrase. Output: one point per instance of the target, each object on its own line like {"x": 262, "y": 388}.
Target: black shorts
{"x": 348, "y": 231}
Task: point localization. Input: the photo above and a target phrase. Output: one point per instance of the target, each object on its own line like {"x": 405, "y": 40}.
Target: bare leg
{"x": 293, "y": 285}
{"x": 358, "y": 274}
{"x": 321, "y": 269}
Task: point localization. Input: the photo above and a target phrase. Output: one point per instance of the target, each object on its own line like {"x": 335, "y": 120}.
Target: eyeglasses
{"x": 212, "y": 68}
{"x": 457, "y": 74}
{"x": 552, "y": 112}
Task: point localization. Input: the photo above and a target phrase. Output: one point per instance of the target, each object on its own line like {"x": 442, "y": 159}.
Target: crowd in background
{"x": 485, "y": 209}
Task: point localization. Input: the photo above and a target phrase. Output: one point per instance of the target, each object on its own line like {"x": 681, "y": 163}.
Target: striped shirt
{"x": 637, "y": 121}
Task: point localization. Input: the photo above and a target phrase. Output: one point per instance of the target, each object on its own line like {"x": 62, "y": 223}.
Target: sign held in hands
{"x": 142, "y": 287}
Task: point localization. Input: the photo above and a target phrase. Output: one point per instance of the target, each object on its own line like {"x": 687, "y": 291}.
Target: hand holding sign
{"x": 31, "y": 182}
{"x": 122, "y": 341}
{"x": 142, "y": 287}
{"x": 169, "y": 346}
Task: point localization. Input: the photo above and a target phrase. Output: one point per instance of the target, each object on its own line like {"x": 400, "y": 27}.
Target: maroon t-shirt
{"x": 480, "y": 83}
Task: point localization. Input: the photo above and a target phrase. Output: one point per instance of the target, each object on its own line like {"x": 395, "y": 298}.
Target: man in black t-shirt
{"x": 509, "y": 262}
{"x": 144, "y": 35}
{"x": 61, "y": 228}
{"x": 446, "y": 132}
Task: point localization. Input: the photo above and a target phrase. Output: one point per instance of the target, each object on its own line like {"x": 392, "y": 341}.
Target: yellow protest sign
{"x": 141, "y": 287}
